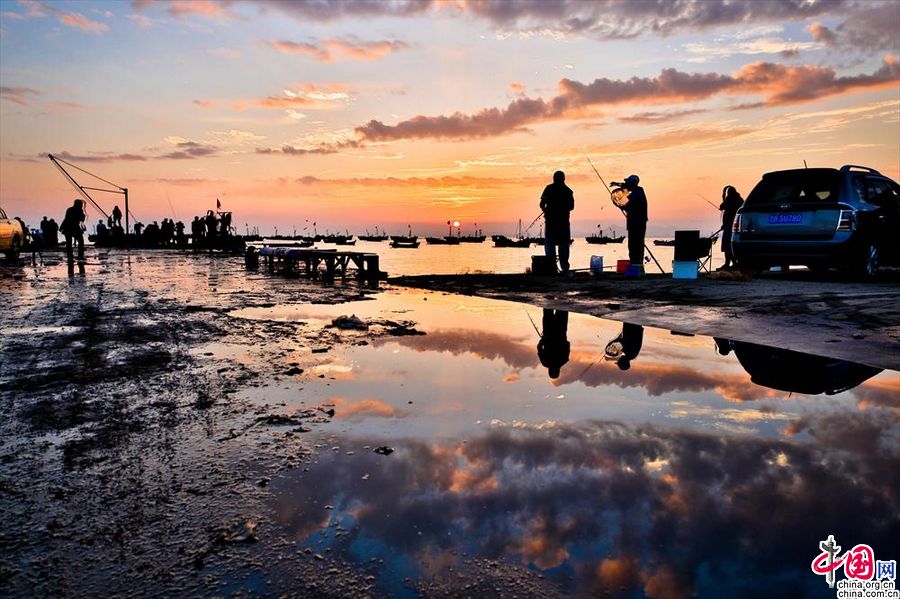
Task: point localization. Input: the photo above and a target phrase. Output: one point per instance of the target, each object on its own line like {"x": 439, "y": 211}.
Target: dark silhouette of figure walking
{"x": 635, "y": 219}
{"x": 731, "y": 201}
{"x": 73, "y": 229}
{"x": 553, "y": 348}
{"x": 557, "y": 202}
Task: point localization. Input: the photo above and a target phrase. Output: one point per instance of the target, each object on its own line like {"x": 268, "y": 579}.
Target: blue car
{"x": 847, "y": 218}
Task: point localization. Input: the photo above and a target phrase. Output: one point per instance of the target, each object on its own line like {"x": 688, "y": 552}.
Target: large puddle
{"x": 602, "y": 457}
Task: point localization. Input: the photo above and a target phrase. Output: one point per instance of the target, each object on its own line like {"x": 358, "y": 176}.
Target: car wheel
{"x": 868, "y": 264}
{"x": 12, "y": 254}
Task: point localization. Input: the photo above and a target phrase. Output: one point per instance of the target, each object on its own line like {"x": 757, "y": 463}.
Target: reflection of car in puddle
{"x": 795, "y": 372}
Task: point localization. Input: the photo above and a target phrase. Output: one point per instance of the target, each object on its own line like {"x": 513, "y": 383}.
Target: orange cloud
{"x": 778, "y": 84}
{"x": 335, "y": 50}
{"x": 346, "y": 409}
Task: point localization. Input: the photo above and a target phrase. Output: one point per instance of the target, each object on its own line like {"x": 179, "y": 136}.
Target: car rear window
{"x": 788, "y": 187}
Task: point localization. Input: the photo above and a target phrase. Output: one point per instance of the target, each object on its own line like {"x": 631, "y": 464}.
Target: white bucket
{"x": 596, "y": 265}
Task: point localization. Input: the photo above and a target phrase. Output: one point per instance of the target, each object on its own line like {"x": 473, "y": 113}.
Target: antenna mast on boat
{"x": 83, "y": 190}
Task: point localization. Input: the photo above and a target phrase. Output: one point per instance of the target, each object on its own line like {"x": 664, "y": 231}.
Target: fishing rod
{"x": 532, "y": 324}
{"x": 623, "y": 211}
{"x": 702, "y": 197}
{"x": 528, "y": 228}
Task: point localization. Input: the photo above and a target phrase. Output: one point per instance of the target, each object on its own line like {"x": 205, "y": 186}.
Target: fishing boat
{"x": 446, "y": 240}
{"x": 408, "y": 238}
{"x": 376, "y": 237}
{"x": 472, "y": 238}
{"x": 502, "y": 241}
{"x": 401, "y": 243}
{"x": 604, "y": 239}
{"x": 478, "y": 237}
{"x": 664, "y": 242}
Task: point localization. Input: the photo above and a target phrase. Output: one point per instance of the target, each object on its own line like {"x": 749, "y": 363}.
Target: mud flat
{"x": 855, "y": 321}
{"x": 174, "y": 425}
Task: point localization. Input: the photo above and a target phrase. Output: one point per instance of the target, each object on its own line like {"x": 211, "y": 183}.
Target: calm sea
{"x": 484, "y": 257}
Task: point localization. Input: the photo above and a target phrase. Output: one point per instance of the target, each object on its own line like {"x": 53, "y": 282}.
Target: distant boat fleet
{"x": 410, "y": 241}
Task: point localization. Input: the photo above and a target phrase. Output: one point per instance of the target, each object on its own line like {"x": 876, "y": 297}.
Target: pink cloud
{"x": 335, "y": 50}
{"x": 18, "y": 95}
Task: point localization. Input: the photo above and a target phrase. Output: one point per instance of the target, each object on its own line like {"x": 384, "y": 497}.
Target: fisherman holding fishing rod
{"x": 557, "y": 202}
{"x": 635, "y": 210}
{"x": 622, "y": 197}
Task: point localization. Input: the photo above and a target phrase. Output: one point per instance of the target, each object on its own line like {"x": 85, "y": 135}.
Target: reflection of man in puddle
{"x": 626, "y": 347}
{"x": 553, "y": 348}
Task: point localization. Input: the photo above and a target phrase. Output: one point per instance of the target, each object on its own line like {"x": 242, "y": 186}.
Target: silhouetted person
{"x": 557, "y": 202}
{"x": 632, "y": 341}
{"x": 210, "y": 222}
{"x": 73, "y": 229}
{"x": 731, "y": 201}
{"x": 116, "y": 217}
{"x": 102, "y": 230}
{"x": 152, "y": 234}
{"x": 226, "y": 223}
{"x": 553, "y": 348}
{"x": 635, "y": 219}
{"x": 179, "y": 233}
{"x": 51, "y": 238}
{"x": 196, "y": 230}
{"x": 45, "y": 228}
{"x": 167, "y": 231}
{"x": 138, "y": 227}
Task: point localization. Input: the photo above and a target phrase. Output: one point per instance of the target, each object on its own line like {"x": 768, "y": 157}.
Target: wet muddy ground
{"x": 174, "y": 425}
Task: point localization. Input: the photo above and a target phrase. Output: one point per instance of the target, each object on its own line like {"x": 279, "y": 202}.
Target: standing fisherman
{"x": 116, "y": 217}
{"x": 731, "y": 201}
{"x": 635, "y": 219}
{"x": 73, "y": 229}
{"x": 557, "y": 202}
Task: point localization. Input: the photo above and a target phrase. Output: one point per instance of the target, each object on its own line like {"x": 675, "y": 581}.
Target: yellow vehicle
{"x": 13, "y": 236}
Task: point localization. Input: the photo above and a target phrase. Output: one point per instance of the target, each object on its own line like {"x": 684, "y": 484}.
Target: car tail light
{"x": 736, "y": 227}
{"x": 847, "y": 220}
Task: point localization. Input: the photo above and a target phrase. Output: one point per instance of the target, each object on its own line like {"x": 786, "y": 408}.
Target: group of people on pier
{"x": 168, "y": 233}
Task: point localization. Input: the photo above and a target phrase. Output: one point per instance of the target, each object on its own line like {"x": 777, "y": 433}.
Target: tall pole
{"x": 127, "y": 222}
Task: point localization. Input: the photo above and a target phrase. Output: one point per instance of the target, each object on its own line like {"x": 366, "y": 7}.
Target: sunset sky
{"x": 356, "y": 113}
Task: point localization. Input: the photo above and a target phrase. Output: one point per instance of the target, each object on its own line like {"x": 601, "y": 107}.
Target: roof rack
{"x": 849, "y": 167}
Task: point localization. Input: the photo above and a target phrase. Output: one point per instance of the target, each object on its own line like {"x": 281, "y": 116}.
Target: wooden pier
{"x": 326, "y": 265}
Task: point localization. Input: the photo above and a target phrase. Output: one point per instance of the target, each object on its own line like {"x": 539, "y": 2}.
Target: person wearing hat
{"x": 635, "y": 219}
{"x": 557, "y": 202}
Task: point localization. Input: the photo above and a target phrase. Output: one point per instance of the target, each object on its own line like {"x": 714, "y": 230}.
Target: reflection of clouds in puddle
{"x": 644, "y": 507}
{"x": 348, "y": 409}
{"x": 335, "y": 370}
{"x": 731, "y": 420}
{"x": 589, "y": 369}
{"x": 883, "y": 392}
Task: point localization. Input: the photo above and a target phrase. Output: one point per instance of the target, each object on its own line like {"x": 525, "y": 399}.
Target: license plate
{"x": 786, "y": 218}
